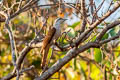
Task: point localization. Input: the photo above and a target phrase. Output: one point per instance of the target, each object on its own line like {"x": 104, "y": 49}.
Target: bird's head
{"x": 59, "y": 21}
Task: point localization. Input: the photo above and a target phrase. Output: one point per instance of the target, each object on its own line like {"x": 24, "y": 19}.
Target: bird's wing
{"x": 48, "y": 37}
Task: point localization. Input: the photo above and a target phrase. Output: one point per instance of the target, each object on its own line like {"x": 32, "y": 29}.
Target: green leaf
{"x": 95, "y": 73}
{"x": 94, "y": 38}
{"x": 117, "y": 51}
{"x": 110, "y": 77}
{"x": 75, "y": 24}
{"x": 6, "y": 36}
{"x": 115, "y": 0}
{"x": 2, "y": 52}
{"x": 107, "y": 63}
{"x": 88, "y": 51}
{"x": 36, "y": 63}
{"x": 75, "y": 65}
{"x": 49, "y": 54}
{"x": 112, "y": 32}
{"x": 105, "y": 36}
{"x": 97, "y": 55}
{"x": 71, "y": 32}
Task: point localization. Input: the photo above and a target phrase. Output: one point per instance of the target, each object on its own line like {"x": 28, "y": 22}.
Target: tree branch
{"x": 61, "y": 62}
{"x": 78, "y": 41}
{"x": 84, "y": 13}
{"x": 109, "y": 39}
{"x": 115, "y": 23}
{"x": 24, "y": 8}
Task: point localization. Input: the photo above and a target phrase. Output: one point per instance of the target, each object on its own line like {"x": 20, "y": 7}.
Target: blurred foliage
{"x": 24, "y": 26}
{"x": 97, "y": 55}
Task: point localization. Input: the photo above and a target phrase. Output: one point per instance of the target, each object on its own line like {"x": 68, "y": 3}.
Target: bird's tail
{"x": 44, "y": 57}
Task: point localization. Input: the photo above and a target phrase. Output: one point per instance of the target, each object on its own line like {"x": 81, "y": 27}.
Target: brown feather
{"x": 44, "y": 56}
{"x": 46, "y": 45}
{"x": 48, "y": 38}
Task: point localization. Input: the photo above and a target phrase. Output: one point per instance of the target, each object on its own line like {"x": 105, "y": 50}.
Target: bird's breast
{"x": 57, "y": 34}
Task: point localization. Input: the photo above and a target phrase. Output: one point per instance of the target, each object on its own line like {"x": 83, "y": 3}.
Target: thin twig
{"x": 20, "y": 3}
{"x": 94, "y": 25}
{"x": 27, "y": 69}
{"x": 12, "y": 41}
{"x": 109, "y": 39}
{"x": 84, "y": 17}
{"x": 109, "y": 26}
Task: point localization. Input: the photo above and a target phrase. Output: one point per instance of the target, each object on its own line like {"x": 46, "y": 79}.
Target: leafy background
{"x": 79, "y": 68}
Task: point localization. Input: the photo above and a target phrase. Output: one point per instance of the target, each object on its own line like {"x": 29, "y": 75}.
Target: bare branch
{"x": 20, "y": 3}
{"x": 84, "y": 13}
{"x": 78, "y": 41}
{"x": 115, "y": 23}
{"x": 73, "y": 51}
{"x": 70, "y": 55}
{"x": 109, "y": 39}
{"x": 24, "y": 8}
{"x": 12, "y": 41}
{"x": 61, "y": 62}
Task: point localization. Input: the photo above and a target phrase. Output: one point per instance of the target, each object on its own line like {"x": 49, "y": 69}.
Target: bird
{"x": 52, "y": 35}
